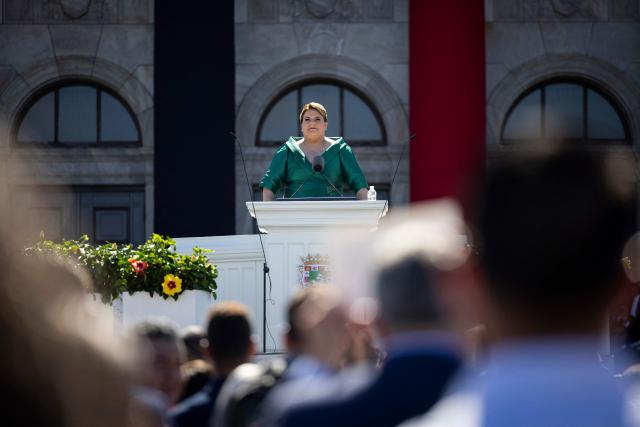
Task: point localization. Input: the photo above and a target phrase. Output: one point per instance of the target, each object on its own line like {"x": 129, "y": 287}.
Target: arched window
{"x": 350, "y": 114}
{"x": 569, "y": 110}
{"x": 77, "y": 113}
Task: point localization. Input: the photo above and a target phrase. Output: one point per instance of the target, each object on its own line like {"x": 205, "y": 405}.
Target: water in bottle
{"x": 371, "y": 194}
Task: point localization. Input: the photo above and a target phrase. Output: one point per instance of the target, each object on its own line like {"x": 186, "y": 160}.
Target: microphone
{"x": 393, "y": 179}
{"x": 404, "y": 146}
{"x": 318, "y": 166}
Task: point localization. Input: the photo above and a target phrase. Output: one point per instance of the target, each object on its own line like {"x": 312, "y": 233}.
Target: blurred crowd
{"x": 509, "y": 327}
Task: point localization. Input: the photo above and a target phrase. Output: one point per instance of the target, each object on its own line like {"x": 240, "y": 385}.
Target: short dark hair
{"x": 552, "y": 233}
{"x": 229, "y": 332}
{"x": 296, "y": 302}
{"x": 406, "y": 288}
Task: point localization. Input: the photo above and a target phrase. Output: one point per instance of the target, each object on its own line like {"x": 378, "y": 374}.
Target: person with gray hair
{"x": 317, "y": 340}
{"x": 421, "y": 355}
{"x": 160, "y": 354}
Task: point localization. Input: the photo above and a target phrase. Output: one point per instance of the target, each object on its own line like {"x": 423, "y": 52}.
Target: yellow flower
{"x": 171, "y": 285}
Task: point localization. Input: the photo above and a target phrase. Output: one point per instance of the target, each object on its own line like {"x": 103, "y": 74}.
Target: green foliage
{"x": 113, "y": 270}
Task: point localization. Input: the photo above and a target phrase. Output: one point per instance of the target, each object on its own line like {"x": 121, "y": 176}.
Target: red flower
{"x": 138, "y": 266}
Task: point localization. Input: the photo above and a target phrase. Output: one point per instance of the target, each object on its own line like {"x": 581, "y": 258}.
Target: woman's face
{"x": 313, "y": 125}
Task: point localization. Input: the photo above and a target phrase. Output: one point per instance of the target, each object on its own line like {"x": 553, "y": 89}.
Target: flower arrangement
{"x": 152, "y": 267}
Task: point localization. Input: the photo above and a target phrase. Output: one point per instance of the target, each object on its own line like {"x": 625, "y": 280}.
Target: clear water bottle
{"x": 371, "y": 194}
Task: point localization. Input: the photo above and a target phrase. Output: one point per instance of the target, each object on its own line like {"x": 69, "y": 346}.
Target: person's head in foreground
{"x": 418, "y": 258}
{"x": 195, "y": 342}
{"x": 318, "y": 325}
{"x": 61, "y": 365}
{"x": 552, "y": 229}
{"x": 229, "y": 334}
{"x": 408, "y": 297}
{"x": 161, "y": 356}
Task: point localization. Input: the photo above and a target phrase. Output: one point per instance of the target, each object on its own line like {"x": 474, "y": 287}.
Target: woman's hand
{"x": 360, "y": 195}
{"x": 267, "y": 195}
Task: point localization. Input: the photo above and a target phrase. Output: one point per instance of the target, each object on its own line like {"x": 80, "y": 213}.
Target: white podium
{"x": 293, "y": 216}
{"x": 295, "y": 229}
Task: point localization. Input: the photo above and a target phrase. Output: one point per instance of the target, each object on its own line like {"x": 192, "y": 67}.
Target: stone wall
{"x": 363, "y": 43}
{"x": 528, "y": 41}
{"x": 109, "y": 42}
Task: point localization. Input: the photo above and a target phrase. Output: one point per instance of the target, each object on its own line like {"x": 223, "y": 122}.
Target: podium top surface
{"x": 316, "y": 199}
{"x": 314, "y": 215}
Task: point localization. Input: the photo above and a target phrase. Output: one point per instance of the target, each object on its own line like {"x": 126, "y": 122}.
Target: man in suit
{"x": 230, "y": 345}
{"x": 421, "y": 356}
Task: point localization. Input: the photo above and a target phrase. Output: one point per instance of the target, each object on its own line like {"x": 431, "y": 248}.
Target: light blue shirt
{"x": 551, "y": 382}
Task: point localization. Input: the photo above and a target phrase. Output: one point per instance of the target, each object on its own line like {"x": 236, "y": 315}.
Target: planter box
{"x": 191, "y": 308}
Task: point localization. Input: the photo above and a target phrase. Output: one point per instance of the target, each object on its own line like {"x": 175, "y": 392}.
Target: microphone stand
{"x": 265, "y": 267}
{"x": 331, "y": 183}
{"x": 302, "y": 185}
{"x": 318, "y": 166}
{"x": 404, "y": 147}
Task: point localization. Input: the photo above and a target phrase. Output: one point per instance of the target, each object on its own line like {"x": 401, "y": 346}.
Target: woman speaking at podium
{"x": 314, "y": 165}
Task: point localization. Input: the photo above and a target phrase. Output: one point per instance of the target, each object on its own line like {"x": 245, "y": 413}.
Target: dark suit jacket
{"x": 408, "y": 385}
{"x": 198, "y": 409}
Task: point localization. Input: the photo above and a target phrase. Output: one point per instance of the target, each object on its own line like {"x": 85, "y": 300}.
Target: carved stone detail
{"x": 625, "y": 10}
{"x": 327, "y": 10}
{"x": 320, "y": 8}
{"x": 379, "y": 9}
{"x": 86, "y": 11}
{"x": 75, "y": 9}
{"x": 565, "y": 9}
{"x": 507, "y": 10}
{"x": 18, "y": 12}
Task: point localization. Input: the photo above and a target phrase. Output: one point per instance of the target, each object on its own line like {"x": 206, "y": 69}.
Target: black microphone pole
{"x": 265, "y": 267}
{"x": 404, "y": 147}
{"x": 302, "y": 185}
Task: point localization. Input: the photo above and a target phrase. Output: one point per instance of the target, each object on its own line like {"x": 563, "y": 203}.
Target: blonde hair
{"x": 314, "y": 106}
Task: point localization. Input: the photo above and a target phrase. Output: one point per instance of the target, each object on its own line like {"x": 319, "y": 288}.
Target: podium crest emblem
{"x": 314, "y": 269}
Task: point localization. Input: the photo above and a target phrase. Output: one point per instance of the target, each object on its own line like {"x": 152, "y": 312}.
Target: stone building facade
{"x": 529, "y": 42}
{"x": 358, "y": 46}
{"x": 361, "y": 44}
{"x": 105, "y": 190}
{"x": 594, "y": 44}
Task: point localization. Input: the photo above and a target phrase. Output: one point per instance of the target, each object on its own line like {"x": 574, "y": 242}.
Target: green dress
{"x": 291, "y": 169}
